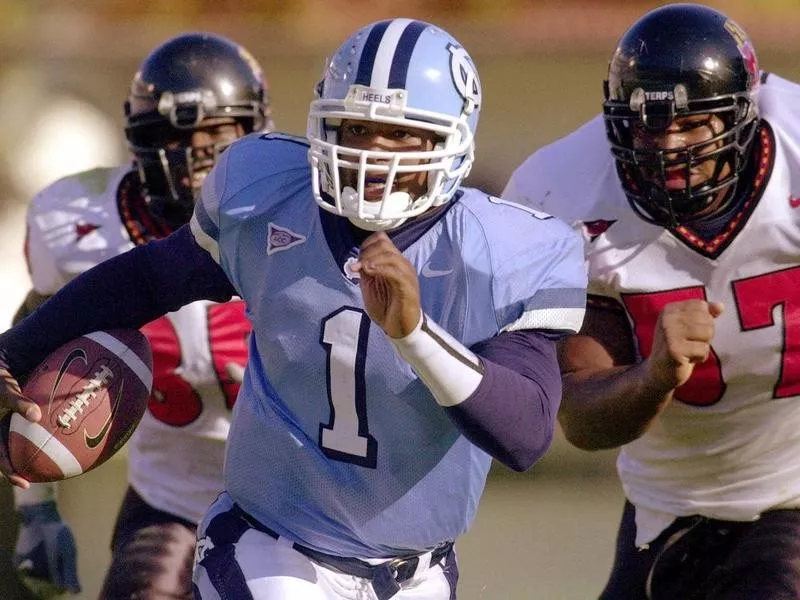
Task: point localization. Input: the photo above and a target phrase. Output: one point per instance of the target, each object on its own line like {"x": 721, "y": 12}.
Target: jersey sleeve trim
{"x": 203, "y": 239}
{"x": 558, "y": 319}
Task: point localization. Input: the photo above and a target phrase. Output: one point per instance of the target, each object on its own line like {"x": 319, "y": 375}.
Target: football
{"x": 92, "y": 392}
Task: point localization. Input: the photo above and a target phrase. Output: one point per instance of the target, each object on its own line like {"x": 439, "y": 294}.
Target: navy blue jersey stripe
{"x": 226, "y": 528}
{"x": 206, "y": 222}
{"x": 364, "y": 75}
{"x": 450, "y": 568}
{"x": 402, "y": 55}
{"x": 224, "y": 573}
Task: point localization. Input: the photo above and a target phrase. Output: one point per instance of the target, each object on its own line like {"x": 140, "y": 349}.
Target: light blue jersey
{"x": 336, "y": 443}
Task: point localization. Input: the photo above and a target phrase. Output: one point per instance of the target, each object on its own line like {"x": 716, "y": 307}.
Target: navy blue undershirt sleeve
{"x": 128, "y": 290}
{"x": 512, "y": 413}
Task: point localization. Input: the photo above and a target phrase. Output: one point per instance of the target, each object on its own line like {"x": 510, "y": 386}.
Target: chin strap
{"x": 376, "y": 224}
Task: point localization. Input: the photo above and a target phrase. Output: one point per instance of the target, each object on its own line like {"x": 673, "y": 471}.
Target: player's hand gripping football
{"x": 389, "y": 285}
{"x": 682, "y": 340}
{"x": 12, "y": 400}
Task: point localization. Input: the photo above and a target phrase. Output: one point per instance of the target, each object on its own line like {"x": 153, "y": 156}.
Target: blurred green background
{"x": 64, "y": 70}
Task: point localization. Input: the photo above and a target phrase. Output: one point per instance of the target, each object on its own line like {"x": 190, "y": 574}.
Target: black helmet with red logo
{"x": 677, "y": 61}
{"x": 183, "y": 84}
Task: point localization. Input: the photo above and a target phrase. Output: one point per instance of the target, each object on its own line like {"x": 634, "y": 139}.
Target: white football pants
{"x": 249, "y": 564}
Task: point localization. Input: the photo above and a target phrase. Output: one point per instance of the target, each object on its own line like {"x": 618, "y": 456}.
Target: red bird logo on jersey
{"x": 84, "y": 229}
{"x": 594, "y": 229}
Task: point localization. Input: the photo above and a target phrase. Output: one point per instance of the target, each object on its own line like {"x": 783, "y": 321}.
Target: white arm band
{"x": 449, "y": 370}
{"x": 36, "y": 494}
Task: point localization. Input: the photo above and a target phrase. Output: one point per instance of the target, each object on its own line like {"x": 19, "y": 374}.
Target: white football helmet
{"x": 402, "y": 72}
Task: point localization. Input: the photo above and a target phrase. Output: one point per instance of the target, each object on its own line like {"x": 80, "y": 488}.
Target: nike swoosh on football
{"x": 428, "y": 272}
{"x": 76, "y": 354}
{"x": 94, "y": 440}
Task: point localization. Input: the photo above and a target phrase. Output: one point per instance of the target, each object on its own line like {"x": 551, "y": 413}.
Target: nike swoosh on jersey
{"x": 427, "y": 271}
{"x": 92, "y": 441}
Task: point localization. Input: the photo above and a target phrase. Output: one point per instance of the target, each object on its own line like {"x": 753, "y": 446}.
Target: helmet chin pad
{"x": 369, "y": 213}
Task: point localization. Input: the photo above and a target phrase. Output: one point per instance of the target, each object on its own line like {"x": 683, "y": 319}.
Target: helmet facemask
{"x": 674, "y": 67}
{"x": 171, "y": 167}
{"x": 445, "y": 165}
{"x": 645, "y": 171}
{"x": 191, "y": 98}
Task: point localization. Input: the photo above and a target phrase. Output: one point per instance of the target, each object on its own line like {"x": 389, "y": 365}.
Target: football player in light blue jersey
{"x": 404, "y": 329}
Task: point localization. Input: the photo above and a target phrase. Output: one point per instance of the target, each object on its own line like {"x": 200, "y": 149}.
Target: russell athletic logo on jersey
{"x": 280, "y": 238}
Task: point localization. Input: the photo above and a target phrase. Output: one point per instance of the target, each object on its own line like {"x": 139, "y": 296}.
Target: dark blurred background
{"x": 64, "y": 70}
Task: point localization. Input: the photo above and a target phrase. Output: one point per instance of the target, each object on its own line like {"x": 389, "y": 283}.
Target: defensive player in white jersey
{"x": 695, "y": 208}
{"x": 403, "y": 334}
{"x": 191, "y": 97}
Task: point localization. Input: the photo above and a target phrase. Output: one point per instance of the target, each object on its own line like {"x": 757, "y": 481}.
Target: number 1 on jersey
{"x": 346, "y": 436}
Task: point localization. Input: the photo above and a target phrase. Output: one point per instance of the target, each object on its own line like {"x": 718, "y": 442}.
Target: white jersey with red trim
{"x": 175, "y": 456}
{"x": 728, "y": 446}
{"x": 72, "y": 225}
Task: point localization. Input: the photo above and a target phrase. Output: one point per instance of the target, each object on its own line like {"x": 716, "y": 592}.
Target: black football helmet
{"x": 183, "y": 83}
{"x": 676, "y": 61}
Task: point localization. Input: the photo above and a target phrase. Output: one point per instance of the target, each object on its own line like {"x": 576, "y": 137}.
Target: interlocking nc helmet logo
{"x": 464, "y": 75}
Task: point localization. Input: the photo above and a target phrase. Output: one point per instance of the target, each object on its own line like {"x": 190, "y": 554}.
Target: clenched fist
{"x": 682, "y": 339}
{"x": 389, "y": 285}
